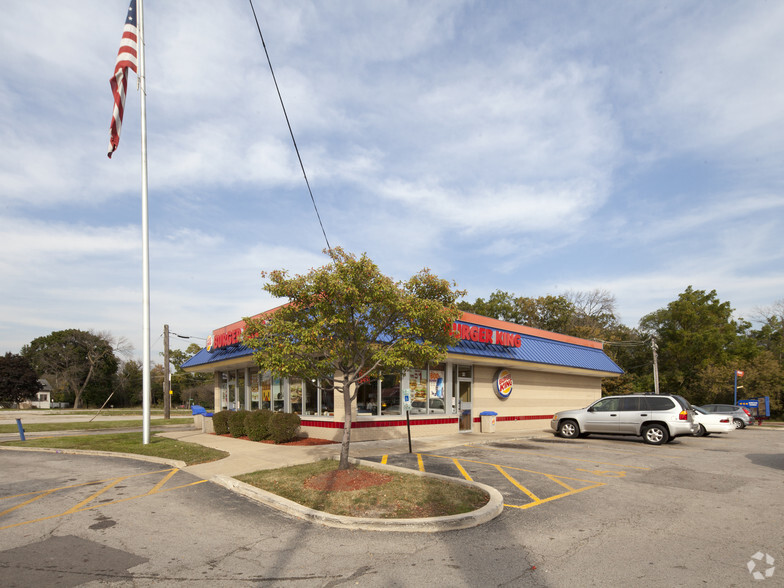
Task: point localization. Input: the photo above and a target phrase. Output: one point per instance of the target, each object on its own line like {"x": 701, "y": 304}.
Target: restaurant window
{"x": 295, "y": 394}
{"x": 436, "y": 397}
{"x": 390, "y": 394}
{"x": 367, "y": 397}
{"x": 310, "y": 397}
{"x": 265, "y": 385}
{"x": 255, "y": 398}
{"x": 278, "y": 403}
{"x": 326, "y": 401}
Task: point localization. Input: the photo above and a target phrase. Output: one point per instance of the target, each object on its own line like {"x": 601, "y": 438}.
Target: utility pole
{"x": 166, "y": 375}
{"x": 655, "y": 365}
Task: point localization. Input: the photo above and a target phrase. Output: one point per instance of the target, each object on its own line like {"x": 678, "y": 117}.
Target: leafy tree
{"x": 697, "y": 338}
{"x": 346, "y": 321}
{"x": 129, "y": 384}
{"x": 18, "y": 380}
{"x": 76, "y": 359}
{"x": 190, "y": 386}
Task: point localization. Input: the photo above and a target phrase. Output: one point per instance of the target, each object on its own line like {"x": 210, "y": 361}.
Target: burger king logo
{"x": 503, "y": 383}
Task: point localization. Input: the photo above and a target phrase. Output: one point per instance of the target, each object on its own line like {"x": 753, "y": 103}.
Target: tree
{"x": 346, "y": 322}
{"x": 18, "y": 380}
{"x": 76, "y": 359}
{"x": 129, "y": 383}
{"x": 196, "y": 387}
{"x": 697, "y": 339}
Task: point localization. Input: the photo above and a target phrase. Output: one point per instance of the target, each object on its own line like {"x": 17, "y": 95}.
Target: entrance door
{"x": 464, "y": 381}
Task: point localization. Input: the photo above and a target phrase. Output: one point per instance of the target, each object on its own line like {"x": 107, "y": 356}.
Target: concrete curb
{"x": 488, "y": 512}
{"x": 175, "y": 463}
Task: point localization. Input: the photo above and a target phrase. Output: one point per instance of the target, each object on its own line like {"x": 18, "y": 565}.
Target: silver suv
{"x": 656, "y": 418}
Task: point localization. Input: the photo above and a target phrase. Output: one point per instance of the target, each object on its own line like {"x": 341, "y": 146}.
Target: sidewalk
{"x": 248, "y": 456}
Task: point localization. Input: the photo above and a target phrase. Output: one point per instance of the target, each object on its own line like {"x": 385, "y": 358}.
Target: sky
{"x": 531, "y": 147}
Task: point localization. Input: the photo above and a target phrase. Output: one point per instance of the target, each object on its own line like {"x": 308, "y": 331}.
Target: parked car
{"x": 656, "y": 418}
{"x": 712, "y": 422}
{"x": 739, "y": 415}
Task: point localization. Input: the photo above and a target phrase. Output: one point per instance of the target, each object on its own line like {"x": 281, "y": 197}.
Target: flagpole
{"x": 146, "y": 388}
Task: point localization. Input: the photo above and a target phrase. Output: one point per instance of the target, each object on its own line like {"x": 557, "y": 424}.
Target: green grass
{"x": 190, "y": 453}
{"x": 95, "y": 425}
{"x": 403, "y": 496}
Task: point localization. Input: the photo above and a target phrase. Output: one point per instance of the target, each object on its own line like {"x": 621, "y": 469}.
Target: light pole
{"x": 738, "y": 374}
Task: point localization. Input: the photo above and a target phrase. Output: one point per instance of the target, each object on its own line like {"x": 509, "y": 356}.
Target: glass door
{"x": 464, "y": 381}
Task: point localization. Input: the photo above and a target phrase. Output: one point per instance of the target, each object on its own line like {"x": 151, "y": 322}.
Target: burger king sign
{"x": 503, "y": 383}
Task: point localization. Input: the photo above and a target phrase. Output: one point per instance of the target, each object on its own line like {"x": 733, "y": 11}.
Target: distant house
{"x": 43, "y": 399}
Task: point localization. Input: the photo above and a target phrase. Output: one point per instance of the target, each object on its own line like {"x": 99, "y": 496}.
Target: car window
{"x": 658, "y": 403}
{"x": 630, "y": 403}
{"x": 606, "y": 405}
{"x": 682, "y": 401}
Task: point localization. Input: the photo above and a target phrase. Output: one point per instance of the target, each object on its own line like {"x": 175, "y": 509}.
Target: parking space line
{"x": 85, "y": 504}
{"x": 420, "y": 463}
{"x": 462, "y": 470}
{"x": 26, "y": 502}
{"x": 570, "y": 490}
{"x": 517, "y": 451}
{"x": 165, "y": 479}
{"x": 522, "y": 488}
{"x": 92, "y": 497}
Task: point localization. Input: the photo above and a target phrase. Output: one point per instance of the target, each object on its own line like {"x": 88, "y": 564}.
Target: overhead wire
{"x": 291, "y": 132}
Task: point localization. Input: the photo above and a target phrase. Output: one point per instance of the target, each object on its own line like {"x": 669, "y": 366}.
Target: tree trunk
{"x": 344, "y": 464}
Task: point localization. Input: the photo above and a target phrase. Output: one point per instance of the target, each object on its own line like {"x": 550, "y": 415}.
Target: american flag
{"x": 126, "y": 57}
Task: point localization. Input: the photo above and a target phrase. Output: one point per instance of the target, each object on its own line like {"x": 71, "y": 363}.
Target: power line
{"x": 285, "y": 114}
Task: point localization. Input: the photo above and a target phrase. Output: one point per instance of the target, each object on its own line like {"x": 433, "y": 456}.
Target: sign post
{"x": 407, "y": 408}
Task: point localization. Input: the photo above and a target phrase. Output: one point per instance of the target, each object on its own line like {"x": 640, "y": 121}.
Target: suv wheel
{"x": 568, "y": 429}
{"x": 739, "y": 424}
{"x": 655, "y": 434}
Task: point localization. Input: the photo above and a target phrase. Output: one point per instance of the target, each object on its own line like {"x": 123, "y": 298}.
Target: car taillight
{"x": 684, "y": 416}
{"x": 748, "y": 412}
{"x": 724, "y": 420}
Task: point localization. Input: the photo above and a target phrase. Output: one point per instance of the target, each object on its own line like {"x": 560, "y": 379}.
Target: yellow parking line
{"x": 81, "y": 506}
{"x": 384, "y": 459}
{"x": 420, "y": 463}
{"x": 462, "y": 471}
{"x": 165, "y": 479}
{"x": 556, "y": 497}
{"x": 568, "y": 458}
{"x": 522, "y": 488}
{"x": 26, "y": 502}
{"x": 94, "y": 496}
{"x": 564, "y": 484}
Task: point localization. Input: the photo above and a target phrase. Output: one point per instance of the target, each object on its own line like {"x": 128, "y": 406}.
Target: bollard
{"x": 21, "y": 430}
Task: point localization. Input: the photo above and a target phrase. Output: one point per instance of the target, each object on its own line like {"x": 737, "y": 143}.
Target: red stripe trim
{"x": 414, "y": 423}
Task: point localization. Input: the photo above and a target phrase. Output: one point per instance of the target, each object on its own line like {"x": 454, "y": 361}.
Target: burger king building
{"x": 521, "y": 374}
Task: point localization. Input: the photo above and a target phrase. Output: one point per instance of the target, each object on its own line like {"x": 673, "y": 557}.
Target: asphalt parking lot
{"x": 595, "y": 512}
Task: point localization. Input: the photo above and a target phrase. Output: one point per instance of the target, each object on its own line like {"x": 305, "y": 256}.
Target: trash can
{"x": 488, "y": 421}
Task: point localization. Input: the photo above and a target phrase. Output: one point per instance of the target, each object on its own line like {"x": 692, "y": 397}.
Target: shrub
{"x": 283, "y": 426}
{"x": 257, "y": 424}
{"x": 220, "y": 422}
{"x": 237, "y": 423}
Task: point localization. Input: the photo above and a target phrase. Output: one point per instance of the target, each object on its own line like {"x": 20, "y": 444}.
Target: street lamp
{"x": 738, "y": 374}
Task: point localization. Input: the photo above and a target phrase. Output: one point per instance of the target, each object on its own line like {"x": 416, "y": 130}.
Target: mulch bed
{"x": 346, "y": 480}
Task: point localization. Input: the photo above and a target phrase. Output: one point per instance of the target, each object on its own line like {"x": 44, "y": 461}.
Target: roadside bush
{"x": 237, "y": 423}
{"x": 283, "y": 426}
{"x": 257, "y": 424}
{"x": 220, "y": 422}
